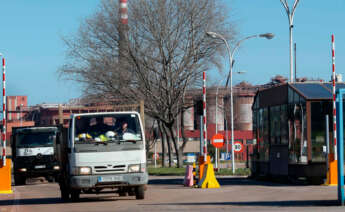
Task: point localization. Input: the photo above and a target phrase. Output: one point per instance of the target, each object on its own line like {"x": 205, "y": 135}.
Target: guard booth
{"x": 290, "y": 128}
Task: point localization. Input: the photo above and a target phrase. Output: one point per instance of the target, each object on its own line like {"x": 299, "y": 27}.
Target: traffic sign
{"x": 238, "y": 146}
{"x": 228, "y": 156}
{"x": 217, "y": 140}
{"x": 225, "y": 156}
{"x": 155, "y": 156}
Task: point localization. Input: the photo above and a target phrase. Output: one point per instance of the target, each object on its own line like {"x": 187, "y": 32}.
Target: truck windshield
{"x": 35, "y": 139}
{"x": 107, "y": 128}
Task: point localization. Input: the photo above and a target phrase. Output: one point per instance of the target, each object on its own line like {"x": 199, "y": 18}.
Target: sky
{"x": 314, "y": 23}
{"x": 31, "y": 40}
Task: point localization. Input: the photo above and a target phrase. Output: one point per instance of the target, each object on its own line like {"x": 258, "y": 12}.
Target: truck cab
{"x": 103, "y": 152}
{"x": 33, "y": 153}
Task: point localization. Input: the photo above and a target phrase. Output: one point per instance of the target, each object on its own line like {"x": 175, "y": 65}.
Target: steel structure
{"x": 231, "y": 54}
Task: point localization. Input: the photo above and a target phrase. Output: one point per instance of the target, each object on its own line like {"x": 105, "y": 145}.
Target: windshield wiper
{"x": 24, "y": 146}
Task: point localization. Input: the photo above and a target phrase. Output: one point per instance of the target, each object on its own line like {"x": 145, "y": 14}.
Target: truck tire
{"x": 315, "y": 180}
{"x": 75, "y": 195}
{"x": 64, "y": 194}
{"x": 50, "y": 179}
{"x": 122, "y": 192}
{"x": 140, "y": 192}
{"x": 19, "y": 179}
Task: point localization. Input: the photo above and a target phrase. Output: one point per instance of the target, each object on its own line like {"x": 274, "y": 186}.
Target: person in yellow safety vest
{"x": 82, "y": 129}
{"x": 84, "y": 137}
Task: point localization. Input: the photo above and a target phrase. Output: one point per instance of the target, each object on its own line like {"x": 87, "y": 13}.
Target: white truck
{"x": 102, "y": 152}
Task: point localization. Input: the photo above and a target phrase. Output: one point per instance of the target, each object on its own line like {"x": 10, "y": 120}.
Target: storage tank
{"x": 211, "y": 106}
{"x": 188, "y": 115}
{"x": 243, "y": 100}
{"x": 243, "y": 115}
{"x": 220, "y": 111}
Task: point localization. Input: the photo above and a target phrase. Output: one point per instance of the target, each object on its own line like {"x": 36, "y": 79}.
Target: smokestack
{"x": 123, "y": 30}
{"x": 123, "y": 12}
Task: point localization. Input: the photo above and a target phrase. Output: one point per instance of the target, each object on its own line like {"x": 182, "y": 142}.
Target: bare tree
{"x": 166, "y": 52}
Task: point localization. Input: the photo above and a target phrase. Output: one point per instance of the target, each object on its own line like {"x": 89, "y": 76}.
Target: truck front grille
{"x": 109, "y": 169}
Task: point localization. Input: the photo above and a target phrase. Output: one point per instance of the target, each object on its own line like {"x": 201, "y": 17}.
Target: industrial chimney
{"x": 123, "y": 29}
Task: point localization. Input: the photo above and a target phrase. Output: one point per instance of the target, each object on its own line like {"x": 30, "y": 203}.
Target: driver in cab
{"x": 124, "y": 129}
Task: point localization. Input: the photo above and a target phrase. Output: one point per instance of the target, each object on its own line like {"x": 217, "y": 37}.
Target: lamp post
{"x": 216, "y": 151}
{"x": 290, "y": 17}
{"x": 227, "y": 150}
{"x": 231, "y": 54}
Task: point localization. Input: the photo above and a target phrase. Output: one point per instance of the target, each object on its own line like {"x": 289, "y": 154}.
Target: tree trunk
{"x": 176, "y": 147}
{"x": 184, "y": 140}
{"x": 169, "y": 145}
{"x": 163, "y": 145}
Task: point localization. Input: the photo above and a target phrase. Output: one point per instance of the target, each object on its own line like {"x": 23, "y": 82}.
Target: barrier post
{"x": 5, "y": 166}
{"x": 5, "y": 178}
{"x": 195, "y": 180}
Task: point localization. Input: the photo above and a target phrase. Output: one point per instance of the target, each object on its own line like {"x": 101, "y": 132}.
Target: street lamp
{"x": 216, "y": 151}
{"x": 231, "y": 54}
{"x": 227, "y": 150}
{"x": 290, "y": 17}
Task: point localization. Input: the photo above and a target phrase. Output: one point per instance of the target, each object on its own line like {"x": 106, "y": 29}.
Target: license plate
{"x": 110, "y": 179}
{"x": 40, "y": 167}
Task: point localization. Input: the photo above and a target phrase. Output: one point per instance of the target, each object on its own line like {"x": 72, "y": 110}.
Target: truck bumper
{"x": 30, "y": 172}
{"x": 108, "y": 181}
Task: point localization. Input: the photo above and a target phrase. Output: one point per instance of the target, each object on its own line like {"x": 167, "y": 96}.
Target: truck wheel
{"x": 315, "y": 180}
{"x": 140, "y": 192}
{"x": 64, "y": 194}
{"x": 19, "y": 180}
{"x": 122, "y": 192}
{"x": 50, "y": 179}
{"x": 75, "y": 195}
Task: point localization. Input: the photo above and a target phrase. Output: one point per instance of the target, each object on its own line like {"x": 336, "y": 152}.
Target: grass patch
{"x": 167, "y": 171}
{"x": 238, "y": 172}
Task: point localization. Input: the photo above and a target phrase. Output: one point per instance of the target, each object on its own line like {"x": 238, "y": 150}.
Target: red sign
{"x": 217, "y": 140}
{"x": 238, "y": 146}
{"x": 155, "y": 156}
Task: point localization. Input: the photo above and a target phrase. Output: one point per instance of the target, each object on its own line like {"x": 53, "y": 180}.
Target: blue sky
{"x": 31, "y": 31}
{"x": 30, "y": 39}
{"x": 314, "y": 22}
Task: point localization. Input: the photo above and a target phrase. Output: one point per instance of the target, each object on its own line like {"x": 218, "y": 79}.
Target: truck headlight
{"x": 134, "y": 168}
{"x": 56, "y": 167}
{"x": 22, "y": 169}
{"x": 81, "y": 170}
{"x": 84, "y": 170}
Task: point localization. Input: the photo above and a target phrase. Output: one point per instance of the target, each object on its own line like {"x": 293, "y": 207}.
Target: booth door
{"x": 279, "y": 160}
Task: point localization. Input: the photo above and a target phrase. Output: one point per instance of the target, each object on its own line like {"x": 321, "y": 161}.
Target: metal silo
{"x": 243, "y": 100}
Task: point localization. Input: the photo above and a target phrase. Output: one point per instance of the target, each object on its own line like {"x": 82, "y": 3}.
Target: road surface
{"x": 168, "y": 194}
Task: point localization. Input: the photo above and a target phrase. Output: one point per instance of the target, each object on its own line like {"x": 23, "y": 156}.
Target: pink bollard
{"x": 188, "y": 178}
